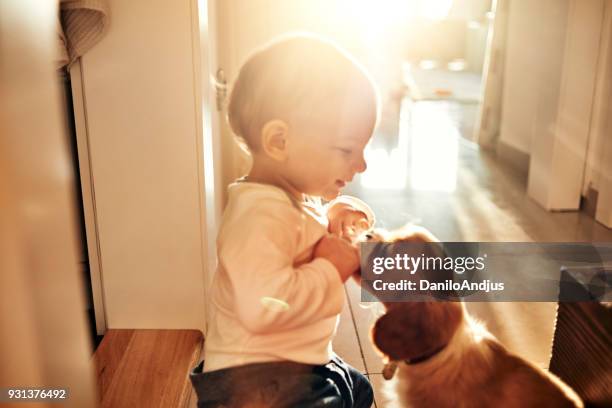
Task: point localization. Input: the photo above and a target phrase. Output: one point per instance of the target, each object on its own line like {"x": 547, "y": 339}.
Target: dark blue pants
{"x": 283, "y": 384}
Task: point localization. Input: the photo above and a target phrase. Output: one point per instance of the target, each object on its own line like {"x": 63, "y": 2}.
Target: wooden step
{"x": 146, "y": 368}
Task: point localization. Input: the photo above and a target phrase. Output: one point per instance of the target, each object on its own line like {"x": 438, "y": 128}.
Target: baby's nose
{"x": 360, "y": 165}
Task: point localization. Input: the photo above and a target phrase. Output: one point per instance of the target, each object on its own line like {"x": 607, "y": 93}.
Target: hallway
{"x": 434, "y": 176}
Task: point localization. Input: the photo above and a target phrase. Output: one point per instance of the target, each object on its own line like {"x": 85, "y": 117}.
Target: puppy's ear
{"x": 389, "y": 338}
{"x": 411, "y": 330}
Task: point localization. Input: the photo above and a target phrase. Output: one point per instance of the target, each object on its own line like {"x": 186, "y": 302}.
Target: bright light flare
{"x": 435, "y": 147}
{"x": 384, "y": 12}
{"x": 377, "y": 14}
{"x": 386, "y": 170}
{"x": 389, "y": 169}
{"x": 434, "y": 9}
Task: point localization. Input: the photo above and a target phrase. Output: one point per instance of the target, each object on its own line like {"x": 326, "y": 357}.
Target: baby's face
{"x": 322, "y": 161}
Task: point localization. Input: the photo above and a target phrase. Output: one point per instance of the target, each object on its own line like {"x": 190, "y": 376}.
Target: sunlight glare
{"x": 386, "y": 170}
{"x": 435, "y": 144}
{"x": 434, "y": 9}
{"x": 379, "y": 14}
{"x": 375, "y": 17}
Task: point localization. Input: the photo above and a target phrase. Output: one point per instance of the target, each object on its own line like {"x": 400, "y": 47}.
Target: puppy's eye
{"x": 369, "y": 236}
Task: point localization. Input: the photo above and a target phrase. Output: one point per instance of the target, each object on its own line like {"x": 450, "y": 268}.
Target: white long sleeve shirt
{"x": 270, "y": 300}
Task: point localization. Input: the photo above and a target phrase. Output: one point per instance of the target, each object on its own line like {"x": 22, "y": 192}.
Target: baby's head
{"x": 306, "y": 110}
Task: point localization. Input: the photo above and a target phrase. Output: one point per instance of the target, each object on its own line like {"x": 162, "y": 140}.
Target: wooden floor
{"x": 146, "y": 368}
{"x": 477, "y": 199}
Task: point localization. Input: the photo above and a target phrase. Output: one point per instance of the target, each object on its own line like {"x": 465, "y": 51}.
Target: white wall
{"x": 576, "y": 101}
{"x": 600, "y": 163}
{"x": 549, "y": 87}
{"x": 142, "y": 114}
{"x": 534, "y": 50}
{"x": 596, "y": 166}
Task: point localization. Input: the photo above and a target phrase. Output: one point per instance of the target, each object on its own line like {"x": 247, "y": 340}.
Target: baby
{"x": 305, "y": 110}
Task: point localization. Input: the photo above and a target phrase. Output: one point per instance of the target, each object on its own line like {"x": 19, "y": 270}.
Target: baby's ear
{"x": 274, "y": 139}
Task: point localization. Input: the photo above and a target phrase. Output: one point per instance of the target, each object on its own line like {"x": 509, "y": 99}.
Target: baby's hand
{"x": 339, "y": 252}
{"x": 349, "y": 217}
{"x": 348, "y": 223}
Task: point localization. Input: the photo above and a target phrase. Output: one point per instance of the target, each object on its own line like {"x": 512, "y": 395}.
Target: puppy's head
{"x": 409, "y": 330}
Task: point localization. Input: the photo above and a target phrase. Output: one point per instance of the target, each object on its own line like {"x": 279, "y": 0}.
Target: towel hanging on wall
{"x": 82, "y": 24}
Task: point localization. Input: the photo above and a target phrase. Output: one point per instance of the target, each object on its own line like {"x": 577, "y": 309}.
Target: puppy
{"x": 444, "y": 358}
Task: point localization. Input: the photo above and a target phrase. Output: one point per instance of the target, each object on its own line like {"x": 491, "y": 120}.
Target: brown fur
{"x": 472, "y": 370}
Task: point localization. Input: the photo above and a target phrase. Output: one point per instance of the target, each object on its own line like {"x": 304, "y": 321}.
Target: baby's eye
{"x": 344, "y": 150}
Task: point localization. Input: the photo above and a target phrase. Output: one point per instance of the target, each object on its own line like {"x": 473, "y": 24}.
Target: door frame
{"x": 89, "y": 200}
{"x": 208, "y": 128}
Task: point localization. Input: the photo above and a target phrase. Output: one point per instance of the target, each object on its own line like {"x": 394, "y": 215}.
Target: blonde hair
{"x": 300, "y": 78}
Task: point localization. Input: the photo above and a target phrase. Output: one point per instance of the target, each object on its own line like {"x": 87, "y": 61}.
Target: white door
{"x": 211, "y": 90}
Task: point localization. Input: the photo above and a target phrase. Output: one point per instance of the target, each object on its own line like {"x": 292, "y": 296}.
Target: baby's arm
{"x": 270, "y": 293}
{"x": 343, "y": 255}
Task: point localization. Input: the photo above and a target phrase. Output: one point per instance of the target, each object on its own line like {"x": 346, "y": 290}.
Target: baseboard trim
{"x": 513, "y": 157}
{"x": 588, "y": 202}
